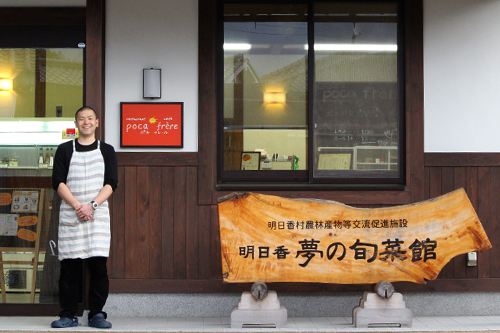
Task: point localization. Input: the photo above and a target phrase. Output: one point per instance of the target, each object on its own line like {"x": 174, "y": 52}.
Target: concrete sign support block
{"x": 265, "y": 312}
{"x": 376, "y": 311}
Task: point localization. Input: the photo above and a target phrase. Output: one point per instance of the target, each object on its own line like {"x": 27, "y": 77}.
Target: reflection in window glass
{"x": 44, "y": 82}
{"x": 45, "y": 88}
{"x": 265, "y": 79}
{"x": 317, "y": 92}
{"x": 40, "y": 91}
{"x": 28, "y": 248}
{"x": 356, "y": 103}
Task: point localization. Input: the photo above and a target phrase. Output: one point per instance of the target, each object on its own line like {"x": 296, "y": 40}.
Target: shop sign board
{"x": 274, "y": 239}
{"x": 151, "y": 124}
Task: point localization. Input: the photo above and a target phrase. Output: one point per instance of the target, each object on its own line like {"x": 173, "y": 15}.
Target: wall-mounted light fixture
{"x": 5, "y": 84}
{"x": 151, "y": 83}
{"x": 275, "y": 97}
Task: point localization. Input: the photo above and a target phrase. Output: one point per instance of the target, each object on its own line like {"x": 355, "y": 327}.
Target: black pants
{"x": 69, "y": 285}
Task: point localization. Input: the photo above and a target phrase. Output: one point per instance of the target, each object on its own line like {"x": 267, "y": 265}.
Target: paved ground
{"x": 223, "y": 324}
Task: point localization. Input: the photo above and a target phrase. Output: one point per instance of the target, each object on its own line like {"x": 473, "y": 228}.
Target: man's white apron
{"x": 78, "y": 238}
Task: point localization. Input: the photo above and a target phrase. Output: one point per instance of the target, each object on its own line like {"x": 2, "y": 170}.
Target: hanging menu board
{"x": 356, "y": 113}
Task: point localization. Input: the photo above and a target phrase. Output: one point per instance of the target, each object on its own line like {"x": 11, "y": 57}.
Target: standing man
{"x": 84, "y": 175}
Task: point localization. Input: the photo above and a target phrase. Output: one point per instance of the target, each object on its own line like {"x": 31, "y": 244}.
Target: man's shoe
{"x": 98, "y": 321}
{"x": 64, "y": 322}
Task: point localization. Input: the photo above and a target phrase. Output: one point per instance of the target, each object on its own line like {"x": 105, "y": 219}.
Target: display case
{"x": 376, "y": 158}
{"x": 277, "y": 164}
{"x": 368, "y": 158}
{"x": 28, "y": 145}
{"x": 26, "y": 160}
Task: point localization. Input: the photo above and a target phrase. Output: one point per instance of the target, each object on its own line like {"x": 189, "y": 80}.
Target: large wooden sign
{"x": 273, "y": 239}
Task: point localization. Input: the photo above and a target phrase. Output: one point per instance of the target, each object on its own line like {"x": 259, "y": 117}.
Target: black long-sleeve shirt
{"x": 65, "y": 152}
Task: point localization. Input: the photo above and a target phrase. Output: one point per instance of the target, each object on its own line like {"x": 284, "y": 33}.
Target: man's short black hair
{"x": 84, "y": 108}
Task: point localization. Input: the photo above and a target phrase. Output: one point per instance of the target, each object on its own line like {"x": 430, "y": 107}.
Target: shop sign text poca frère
{"x": 151, "y": 125}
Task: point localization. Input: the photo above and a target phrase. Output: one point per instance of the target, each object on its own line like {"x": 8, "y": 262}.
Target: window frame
{"x": 91, "y": 18}
{"x": 304, "y": 179}
{"x": 358, "y": 181}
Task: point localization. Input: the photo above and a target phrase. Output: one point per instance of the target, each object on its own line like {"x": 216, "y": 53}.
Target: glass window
{"x": 41, "y": 82}
{"x": 356, "y": 102}
{"x": 40, "y": 91}
{"x": 265, "y": 80}
{"x": 313, "y": 91}
{"x": 42, "y": 69}
{"x": 43, "y": 89}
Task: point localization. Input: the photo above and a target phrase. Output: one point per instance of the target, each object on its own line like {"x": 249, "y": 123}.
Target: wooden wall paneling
{"x": 447, "y": 185}
{"x": 116, "y": 261}
{"x": 181, "y": 286}
{"x": 130, "y": 208}
{"x": 167, "y": 222}
{"x": 389, "y": 198}
{"x": 94, "y": 61}
{"x": 462, "y": 159}
{"x": 456, "y": 285}
{"x": 363, "y": 206}
{"x": 141, "y": 236}
{"x": 484, "y": 214}
{"x": 414, "y": 101}
{"x": 494, "y": 236}
{"x": 151, "y": 159}
{"x": 216, "y": 264}
{"x": 40, "y": 82}
{"x": 447, "y": 180}
{"x": 192, "y": 224}
{"x": 155, "y": 223}
{"x": 459, "y": 178}
{"x": 26, "y": 182}
{"x": 471, "y": 190}
{"x": 207, "y": 100}
{"x": 205, "y": 241}
{"x": 217, "y": 286}
{"x": 109, "y": 263}
{"x": 180, "y": 223}
{"x": 178, "y": 187}
{"x": 460, "y": 261}
{"x": 471, "y": 185}
{"x": 427, "y": 184}
{"x": 434, "y": 182}
{"x": 42, "y": 16}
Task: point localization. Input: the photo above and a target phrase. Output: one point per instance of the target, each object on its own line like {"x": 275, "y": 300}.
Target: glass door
{"x": 40, "y": 91}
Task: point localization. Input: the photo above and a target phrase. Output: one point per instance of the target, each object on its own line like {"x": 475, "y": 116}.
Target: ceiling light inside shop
{"x": 355, "y": 47}
{"x": 318, "y": 47}
{"x": 237, "y": 46}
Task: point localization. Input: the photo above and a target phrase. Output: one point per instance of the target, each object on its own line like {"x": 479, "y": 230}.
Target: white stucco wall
{"x": 461, "y": 66}
{"x": 461, "y": 75}
{"x": 150, "y": 33}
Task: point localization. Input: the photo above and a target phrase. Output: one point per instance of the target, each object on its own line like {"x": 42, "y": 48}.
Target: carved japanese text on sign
{"x": 273, "y": 239}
